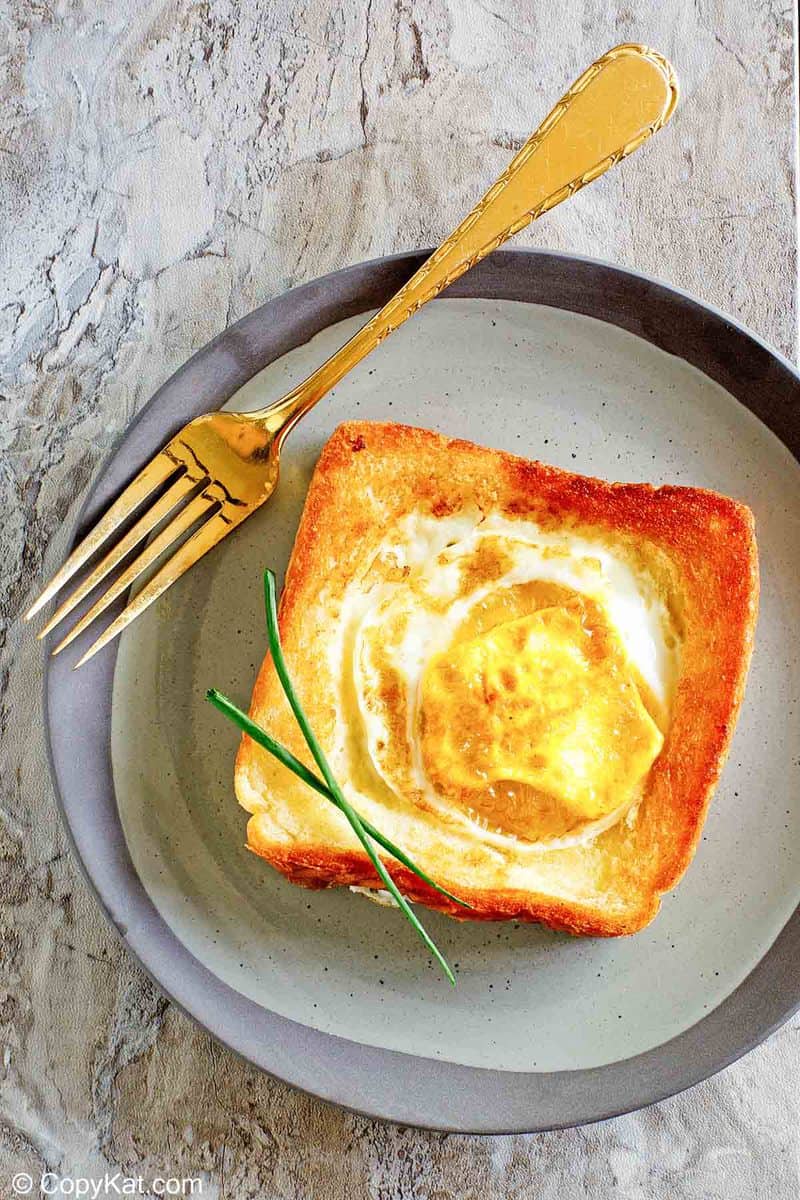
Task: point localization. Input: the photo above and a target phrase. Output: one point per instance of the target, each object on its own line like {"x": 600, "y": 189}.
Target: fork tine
{"x": 179, "y": 524}
{"x": 157, "y": 471}
{"x": 181, "y": 488}
{"x": 192, "y": 550}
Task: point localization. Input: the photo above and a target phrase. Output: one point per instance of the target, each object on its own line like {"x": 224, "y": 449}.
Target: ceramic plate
{"x": 582, "y": 365}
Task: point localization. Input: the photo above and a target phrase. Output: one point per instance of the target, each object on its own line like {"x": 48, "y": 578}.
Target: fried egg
{"x": 506, "y": 677}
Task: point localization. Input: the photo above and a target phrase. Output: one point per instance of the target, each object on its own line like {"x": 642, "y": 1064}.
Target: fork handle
{"x": 610, "y": 110}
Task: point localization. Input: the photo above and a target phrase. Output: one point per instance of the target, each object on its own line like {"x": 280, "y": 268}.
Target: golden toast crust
{"x": 369, "y": 476}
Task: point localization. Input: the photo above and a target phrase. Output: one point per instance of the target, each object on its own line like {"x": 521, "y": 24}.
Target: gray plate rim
{"x": 387, "y": 1084}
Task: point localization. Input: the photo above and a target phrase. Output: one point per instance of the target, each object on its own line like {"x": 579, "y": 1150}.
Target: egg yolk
{"x": 548, "y": 701}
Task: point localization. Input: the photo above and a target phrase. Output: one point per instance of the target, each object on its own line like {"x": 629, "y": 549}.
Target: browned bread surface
{"x": 698, "y": 545}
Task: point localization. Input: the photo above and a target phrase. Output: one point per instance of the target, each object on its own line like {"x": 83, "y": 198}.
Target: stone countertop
{"x": 164, "y": 168}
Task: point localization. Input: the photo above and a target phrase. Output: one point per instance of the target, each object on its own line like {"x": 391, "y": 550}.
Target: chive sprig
{"x": 327, "y": 786}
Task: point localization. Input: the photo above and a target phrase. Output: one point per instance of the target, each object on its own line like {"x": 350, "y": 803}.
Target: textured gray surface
{"x": 163, "y": 168}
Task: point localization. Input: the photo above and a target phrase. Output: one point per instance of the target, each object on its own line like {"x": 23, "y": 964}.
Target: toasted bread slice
{"x": 691, "y": 551}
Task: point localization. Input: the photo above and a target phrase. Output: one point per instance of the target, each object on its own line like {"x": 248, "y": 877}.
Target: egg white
{"x": 432, "y": 551}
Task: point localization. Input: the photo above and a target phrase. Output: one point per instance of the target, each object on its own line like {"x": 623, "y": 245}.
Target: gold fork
{"x": 222, "y": 466}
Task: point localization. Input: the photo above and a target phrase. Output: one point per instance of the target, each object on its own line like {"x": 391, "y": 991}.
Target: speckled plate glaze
{"x": 583, "y": 365}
